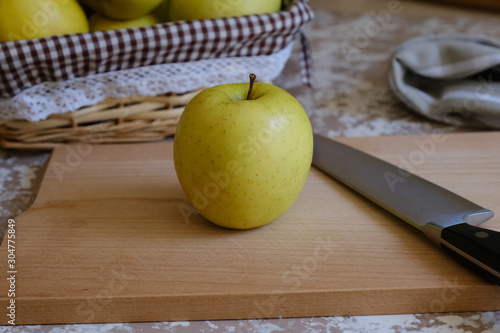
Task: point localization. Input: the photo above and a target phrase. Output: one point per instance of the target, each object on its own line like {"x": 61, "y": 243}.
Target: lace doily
{"x": 40, "y": 101}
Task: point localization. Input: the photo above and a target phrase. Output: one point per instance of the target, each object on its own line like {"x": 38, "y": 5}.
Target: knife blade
{"x": 448, "y": 219}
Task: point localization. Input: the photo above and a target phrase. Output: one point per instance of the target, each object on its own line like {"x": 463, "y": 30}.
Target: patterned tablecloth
{"x": 351, "y": 97}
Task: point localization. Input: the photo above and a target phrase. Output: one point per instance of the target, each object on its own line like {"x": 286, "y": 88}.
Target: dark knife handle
{"x": 477, "y": 245}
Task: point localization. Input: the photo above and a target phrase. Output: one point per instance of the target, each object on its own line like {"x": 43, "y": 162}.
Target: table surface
{"x": 350, "y": 98}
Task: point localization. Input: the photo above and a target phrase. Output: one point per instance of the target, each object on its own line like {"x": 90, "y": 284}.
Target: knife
{"x": 448, "y": 219}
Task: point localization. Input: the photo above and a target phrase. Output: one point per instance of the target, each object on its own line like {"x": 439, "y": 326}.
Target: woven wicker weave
{"x": 132, "y": 119}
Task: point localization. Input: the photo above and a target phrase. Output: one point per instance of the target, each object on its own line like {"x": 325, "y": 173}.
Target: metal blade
{"x": 410, "y": 197}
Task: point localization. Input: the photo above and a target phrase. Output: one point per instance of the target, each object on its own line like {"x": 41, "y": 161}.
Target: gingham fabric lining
{"x": 29, "y": 62}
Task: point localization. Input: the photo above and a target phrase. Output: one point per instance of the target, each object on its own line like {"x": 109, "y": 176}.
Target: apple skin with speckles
{"x": 243, "y": 162}
{"x": 203, "y": 9}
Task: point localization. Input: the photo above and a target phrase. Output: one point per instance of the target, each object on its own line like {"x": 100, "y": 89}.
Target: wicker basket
{"x": 38, "y": 75}
{"x": 132, "y": 119}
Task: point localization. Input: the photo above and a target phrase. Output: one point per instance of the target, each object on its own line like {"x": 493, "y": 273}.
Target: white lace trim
{"x": 38, "y": 102}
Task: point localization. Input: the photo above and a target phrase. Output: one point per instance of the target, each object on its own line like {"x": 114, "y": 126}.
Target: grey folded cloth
{"x": 453, "y": 79}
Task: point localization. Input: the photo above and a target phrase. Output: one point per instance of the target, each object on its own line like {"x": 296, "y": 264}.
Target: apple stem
{"x": 252, "y": 77}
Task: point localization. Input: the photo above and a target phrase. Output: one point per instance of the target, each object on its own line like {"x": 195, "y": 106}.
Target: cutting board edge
{"x": 449, "y": 298}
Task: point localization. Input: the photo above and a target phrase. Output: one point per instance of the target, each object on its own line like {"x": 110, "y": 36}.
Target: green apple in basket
{"x": 99, "y": 22}
{"x": 29, "y": 19}
{"x": 207, "y": 9}
{"x": 122, "y": 9}
{"x": 242, "y": 153}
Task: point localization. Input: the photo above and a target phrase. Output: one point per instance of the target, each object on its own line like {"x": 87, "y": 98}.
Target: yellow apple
{"x": 205, "y": 9}
{"x": 122, "y": 9}
{"x": 243, "y": 162}
{"x": 99, "y": 22}
{"x": 28, "y": 19}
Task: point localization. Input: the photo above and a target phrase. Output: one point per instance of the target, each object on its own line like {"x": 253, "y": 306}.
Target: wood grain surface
{"x": 112, "y": 238}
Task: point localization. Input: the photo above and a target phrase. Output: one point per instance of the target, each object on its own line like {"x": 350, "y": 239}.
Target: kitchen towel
{"x": 453, "y": 79}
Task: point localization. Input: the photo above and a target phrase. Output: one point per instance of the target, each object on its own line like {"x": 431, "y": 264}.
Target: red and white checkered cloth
{"x": 29, "y": 62}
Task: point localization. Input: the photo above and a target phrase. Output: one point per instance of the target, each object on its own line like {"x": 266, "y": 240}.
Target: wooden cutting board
{"x": 112, "y": 238}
